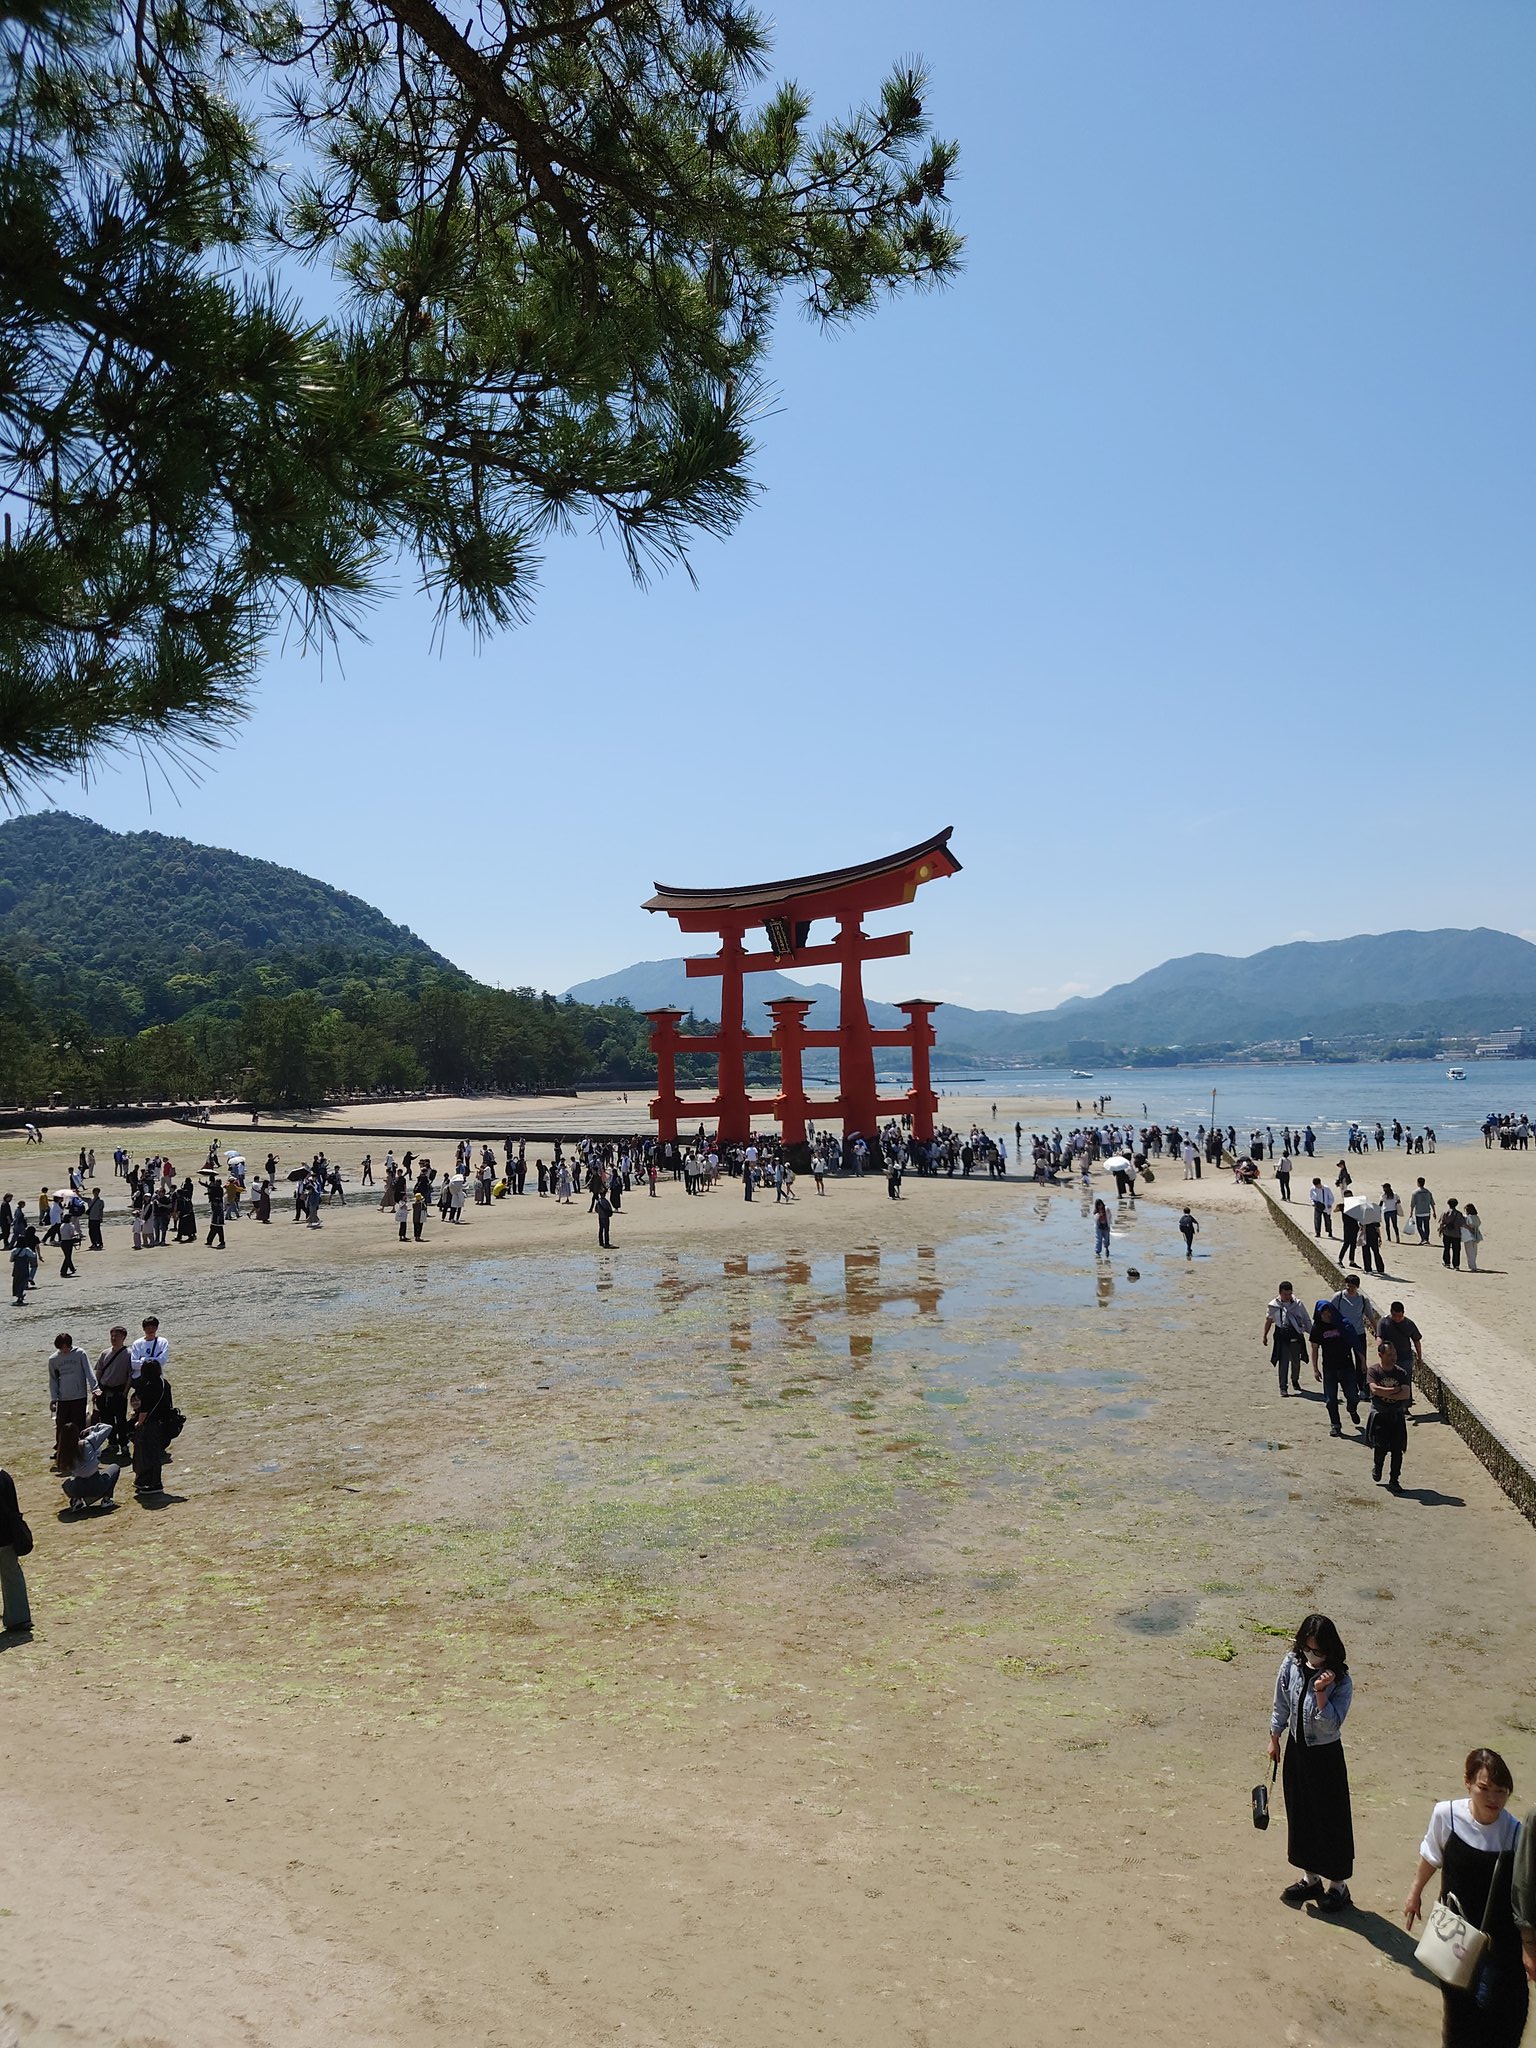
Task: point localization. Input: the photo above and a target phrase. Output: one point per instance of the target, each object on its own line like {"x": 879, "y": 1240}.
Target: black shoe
{"x": 1394, "y": 1486}
{"x": 1304, "y": 1888}
{"x": 1335, "y": 1900}
{"x": 1354, "y": 1418}
{"x": 1335, "y": 1430}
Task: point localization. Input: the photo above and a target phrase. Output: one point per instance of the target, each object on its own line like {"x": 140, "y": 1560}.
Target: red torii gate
{"x": 786, "y": 911}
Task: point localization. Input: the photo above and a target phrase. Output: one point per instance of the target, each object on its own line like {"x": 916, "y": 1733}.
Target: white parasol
{"x": 1118, "y": 1164}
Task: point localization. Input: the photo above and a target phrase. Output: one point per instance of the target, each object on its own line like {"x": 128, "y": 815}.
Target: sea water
{"x": 1327, "y": 1096}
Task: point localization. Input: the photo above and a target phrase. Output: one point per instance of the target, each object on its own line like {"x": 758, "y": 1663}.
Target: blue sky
{"x": 1179, "y": 556}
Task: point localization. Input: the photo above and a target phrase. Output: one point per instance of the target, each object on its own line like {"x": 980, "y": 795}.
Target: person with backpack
{"x": 1188, "y": 1225}
{"x": 15, "y": 1544}
{"x": 1333, "y": 1362}
{"x": 156, "y": 1423}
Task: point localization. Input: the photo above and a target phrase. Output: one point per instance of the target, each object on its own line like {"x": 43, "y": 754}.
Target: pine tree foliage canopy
{"x": 547, "y": 241}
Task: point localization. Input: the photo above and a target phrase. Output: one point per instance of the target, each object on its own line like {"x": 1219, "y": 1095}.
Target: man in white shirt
{"x": 1322, "y": 1210}
{"x": 150, "y": 1346}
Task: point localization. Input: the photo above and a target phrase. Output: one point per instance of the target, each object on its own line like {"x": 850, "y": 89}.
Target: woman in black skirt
{"x": 1471, "y": 1842}
{"x": 1312, "y": 1697}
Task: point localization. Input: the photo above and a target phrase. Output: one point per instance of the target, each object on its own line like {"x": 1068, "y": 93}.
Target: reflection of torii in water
{"x": 864, "y": 1295}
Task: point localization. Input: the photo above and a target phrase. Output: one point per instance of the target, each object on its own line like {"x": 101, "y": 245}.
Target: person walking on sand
{"x": 403, "y": 1215}
{"x": 1100, "y": 1229}
{"x": 1313, "y": 1694}
{"x": 604, "y": 1210}
{"x": 1405, "y": 1337}
{"x": 15, "y": 1544}
{"x": 70, "y": 1234}
{"x": 1450, "y": 1234}
{"x": 1471, "y": 1234}
{"x": 1188, "y": 1225}
{"x": 1349, "y": 1233}
{"x": 1283, "y": 1176}
{"x": 1391, "y": 1383}
{"x": 23, "y": 1265}
{"x": 1421, "y": 1207}
{"x": 1350, "y": 1303}
{"x": 1522, "y": 1889}
{"x": 1322, "y": 1208}
{"x": 1333, "y": 1362}
{"x": 1285, "y": 1322}
{"x": 1475, "y": 1844}
{"x": 1391, "y": 1210}
{"x": 1368, "y": 1216}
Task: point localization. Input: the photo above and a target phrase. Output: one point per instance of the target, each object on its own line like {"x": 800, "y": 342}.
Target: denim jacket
{"x": 1294, "y": 1692}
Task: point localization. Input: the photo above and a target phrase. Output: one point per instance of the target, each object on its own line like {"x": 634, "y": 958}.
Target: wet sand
{"x": 845, "y": 1620}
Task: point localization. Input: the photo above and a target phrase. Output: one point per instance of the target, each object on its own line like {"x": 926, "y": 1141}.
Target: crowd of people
{"x": 116, "y": 1410}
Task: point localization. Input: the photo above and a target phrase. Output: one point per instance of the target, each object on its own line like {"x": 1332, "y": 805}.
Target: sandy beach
{"x": 846, "y": 1620}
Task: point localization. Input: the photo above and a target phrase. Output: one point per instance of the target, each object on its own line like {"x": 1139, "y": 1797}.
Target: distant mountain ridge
{"x": 1391, "y": 984}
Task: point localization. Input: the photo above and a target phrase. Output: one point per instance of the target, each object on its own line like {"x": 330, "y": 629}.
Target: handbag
{"x": 1451, "y": 1948}
{"x": 1261, "y": 1798}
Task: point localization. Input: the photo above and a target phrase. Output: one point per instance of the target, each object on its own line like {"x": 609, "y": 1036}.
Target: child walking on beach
{"x": 1188, "y": 1225}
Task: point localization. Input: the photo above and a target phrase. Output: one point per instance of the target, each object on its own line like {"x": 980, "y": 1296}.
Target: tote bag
{"x": 1451, "y": 1948}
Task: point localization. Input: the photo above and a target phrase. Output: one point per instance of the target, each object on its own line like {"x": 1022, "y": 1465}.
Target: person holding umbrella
{"x": 1361, "y": 1220}
{"x": 1370, "y": 1219}
{"x": 1349, "y": 1227}
{"x": 1125, "y": 1175}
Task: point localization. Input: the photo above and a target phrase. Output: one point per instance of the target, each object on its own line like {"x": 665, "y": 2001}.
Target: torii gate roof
{"x": 873, "y": 884}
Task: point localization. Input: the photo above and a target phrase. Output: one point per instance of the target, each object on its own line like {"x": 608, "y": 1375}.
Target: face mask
{"x": 1313, "y": 1663}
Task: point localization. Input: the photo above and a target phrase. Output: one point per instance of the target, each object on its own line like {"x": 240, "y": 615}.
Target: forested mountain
{"x": 1388, "y": 984}
{"x": 135, "y": 966}
{"x": 87, "y": 910}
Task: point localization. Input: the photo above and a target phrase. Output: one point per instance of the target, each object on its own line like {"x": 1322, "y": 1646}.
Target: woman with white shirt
{"x": 1471, "y": 1235}
{"x": 1312, "y": 1695}
{"x": 1471, "y": 1842}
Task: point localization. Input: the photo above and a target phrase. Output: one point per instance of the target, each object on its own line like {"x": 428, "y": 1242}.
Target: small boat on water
{"x": 1081, "y": 1074}
{"x": 1455, "y": 1073}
